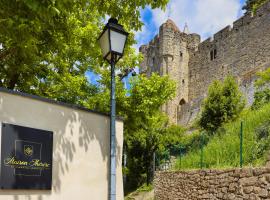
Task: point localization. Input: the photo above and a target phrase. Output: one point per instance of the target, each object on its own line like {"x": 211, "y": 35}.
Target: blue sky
{"x": 204, "y": 17}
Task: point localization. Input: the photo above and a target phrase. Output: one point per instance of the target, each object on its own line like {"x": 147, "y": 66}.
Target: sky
{"x": 204, "y": 17}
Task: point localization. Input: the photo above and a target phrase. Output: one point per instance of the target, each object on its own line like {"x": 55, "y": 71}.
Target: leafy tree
{"x": 142, "y": 144}
{"x": 223, "y": 103}
{"x": 253, "y": 5}
{"x": 175, "y": 136}
{"x": 47, "y": 46}
{"x": 262, "y": 94}
{"x": 262, "y": 133}
{"x": 145, "y": 125}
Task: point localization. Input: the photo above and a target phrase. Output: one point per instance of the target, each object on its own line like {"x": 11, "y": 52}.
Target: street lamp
{"x": 112, "y": 42}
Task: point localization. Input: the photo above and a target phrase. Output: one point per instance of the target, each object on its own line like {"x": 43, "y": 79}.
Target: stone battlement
{"x": 238, "y": 26}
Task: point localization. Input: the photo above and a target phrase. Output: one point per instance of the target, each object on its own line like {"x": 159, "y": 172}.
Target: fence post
{"x": 180, "y": 156}
{"x": 201, "y": 163}
{"x": 241, "y": 145}
{"x": 154, "y": 162}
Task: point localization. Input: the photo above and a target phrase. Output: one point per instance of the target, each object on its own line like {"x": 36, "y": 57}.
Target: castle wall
{"x": 241, "y": 51}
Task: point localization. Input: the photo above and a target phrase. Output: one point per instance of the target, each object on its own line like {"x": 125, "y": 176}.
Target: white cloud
{"x": 204, "y": 17}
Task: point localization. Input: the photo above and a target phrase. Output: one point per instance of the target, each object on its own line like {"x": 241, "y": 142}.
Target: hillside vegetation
{"x": 223, "y": 148}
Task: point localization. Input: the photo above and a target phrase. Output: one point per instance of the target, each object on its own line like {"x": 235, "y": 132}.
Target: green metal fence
{"x": 163, "y": 161}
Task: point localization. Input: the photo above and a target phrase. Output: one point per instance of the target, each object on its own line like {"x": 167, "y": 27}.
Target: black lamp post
{"x": 112, "y": 42}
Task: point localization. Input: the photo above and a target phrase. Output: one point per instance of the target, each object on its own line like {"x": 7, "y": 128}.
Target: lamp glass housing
{"x": 112, "y": 41}
{"x": 104, "y": 43}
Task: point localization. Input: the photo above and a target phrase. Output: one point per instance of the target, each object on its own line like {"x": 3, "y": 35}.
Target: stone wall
{"x": 234, "y": 184}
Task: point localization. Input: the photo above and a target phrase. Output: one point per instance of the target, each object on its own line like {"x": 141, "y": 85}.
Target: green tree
{"x": 142, "y": 143}
{"x": 145, "y": 125}
{"x": 223, "y": 103}
{"x": 47, "y": 46}
{"x": 175, "y": 135}
{"x": 262, "y": 94}
{"x": 253, "y": 5}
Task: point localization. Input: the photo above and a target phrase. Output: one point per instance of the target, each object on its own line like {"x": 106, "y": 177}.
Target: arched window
{"x": 179, "y": 108}
{"x": 182, "y": 102}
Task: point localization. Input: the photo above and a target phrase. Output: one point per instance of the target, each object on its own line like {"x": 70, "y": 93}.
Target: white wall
{"x": 80, "y": 149}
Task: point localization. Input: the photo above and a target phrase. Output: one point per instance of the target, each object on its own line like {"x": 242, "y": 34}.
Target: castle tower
{"x": 168, "y": 54}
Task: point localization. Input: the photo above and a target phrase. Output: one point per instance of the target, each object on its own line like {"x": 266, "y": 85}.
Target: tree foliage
{"x": 47, "y": 46}
{"x": 145, "y": 125}
{"x": 223, "y": 103}
{"x": 253, "y": 5}
{"x": 262, "y": 94}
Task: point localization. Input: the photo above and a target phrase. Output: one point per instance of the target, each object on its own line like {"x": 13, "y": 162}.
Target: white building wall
{"x": 80, "y": 149}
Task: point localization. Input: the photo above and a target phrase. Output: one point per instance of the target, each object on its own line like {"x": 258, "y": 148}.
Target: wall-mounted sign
{"x": 26, "y": 158}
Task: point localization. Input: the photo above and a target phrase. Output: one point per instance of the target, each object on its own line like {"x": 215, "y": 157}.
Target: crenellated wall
{"x": 240, "y": 51}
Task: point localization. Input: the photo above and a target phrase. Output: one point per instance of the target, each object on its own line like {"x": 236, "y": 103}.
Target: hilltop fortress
{"x": 240, "y": 51}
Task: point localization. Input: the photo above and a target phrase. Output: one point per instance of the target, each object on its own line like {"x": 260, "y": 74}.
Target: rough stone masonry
{"x": 240, "y": 51}
{"x": 229, "y": 184}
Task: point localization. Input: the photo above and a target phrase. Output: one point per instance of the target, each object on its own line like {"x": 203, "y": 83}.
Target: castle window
{"x": 182, "y": 102}
{"x": 179, "y": 108}
{"x": 183, "y": 81}
{"x": 181, "y": 54}
{"x": 213, "y": 54}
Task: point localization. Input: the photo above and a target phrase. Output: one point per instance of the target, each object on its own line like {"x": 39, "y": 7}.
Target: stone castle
{"x": 240, "y": 51}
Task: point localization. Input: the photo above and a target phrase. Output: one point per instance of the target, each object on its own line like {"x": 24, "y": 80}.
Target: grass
{"x": 144, "y": 188}
{"x": 223, "y": 149}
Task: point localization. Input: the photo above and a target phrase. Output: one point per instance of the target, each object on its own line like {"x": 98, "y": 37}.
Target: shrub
{"x": 262, "y": 94}
{"x": 262, "y": 137}
{"x": 223, "y": 103}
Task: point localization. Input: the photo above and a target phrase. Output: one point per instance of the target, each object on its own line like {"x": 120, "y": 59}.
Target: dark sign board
{"x": 26, "y": 158}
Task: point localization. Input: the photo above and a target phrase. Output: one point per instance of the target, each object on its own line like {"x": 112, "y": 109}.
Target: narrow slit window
{"x": 181, "y": 54}
{"x": 215, "y": 53}
{"x": 211, "y": 55}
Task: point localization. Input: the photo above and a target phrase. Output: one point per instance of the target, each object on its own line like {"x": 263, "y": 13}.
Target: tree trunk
{"x": 12, "y": 82}
{"x": 150, "y": 169}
